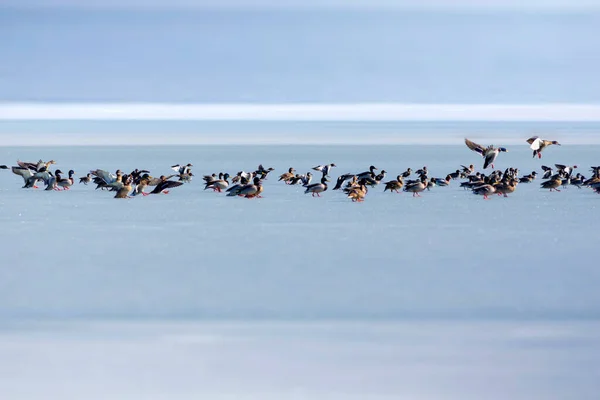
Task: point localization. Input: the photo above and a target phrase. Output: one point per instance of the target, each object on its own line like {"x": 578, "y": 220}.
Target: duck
{"x": 505, "y": 188}
{"x": 307, "y": 179}
{"x": 106, "y": 180}
{"x": 537, "y": 145}
{"x": 287, "y": 175}
{"x": 39, "y": 166}
{"x": 416, "y": 187}
{"x": 164, "y": 185}
{"x": 367, "y": 174}
{"x": 423, "y": 171}
{"x": 565, "y": 169}
{"x": 547, "y": 172}
{"x": 51, "y": 182}
{"x": 395, "y": 185}
{"x": 263, "y": 172}
{"x": 341, "y": 179}
{"x": 484, "y": 190}
{"x": 253, "y": 190}
{"x": 65, "y": 183}
{"x": 489, "y": 153}
{"x": 3, "y": 166}
{"x": 442, "y": 182}
{"x": 182, "y": 169}
{"x": 218, "y": 185}
{"x": 142, "y": 184}
{"x": 552, "y": 184}
{"x": 85, "y": 179}
{"x": 324, "y": 168}
{"x": 528, "y": 178}
{"x": 455, "y": 175}
{"x": 123, "y": 192}
{"x": 407, "y": 173}
{"x": 317, "y": 188}
{"x": 26, "y": 174}
{"x": 468, "y": 170}
{"x": 358, "y": 194}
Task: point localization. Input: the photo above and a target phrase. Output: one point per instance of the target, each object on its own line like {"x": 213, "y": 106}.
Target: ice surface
{"x": 326, "y": 360}
{"x": 199, "y": 254}
{"x": 440, "y": 297}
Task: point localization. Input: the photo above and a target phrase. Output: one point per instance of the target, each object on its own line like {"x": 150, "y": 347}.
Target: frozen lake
{"x": 200, "y": 254}
{"x": 444, "y": 296}
{"x": 309, "y": 360}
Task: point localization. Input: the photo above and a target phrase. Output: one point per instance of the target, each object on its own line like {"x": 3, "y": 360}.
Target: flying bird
{"x": 537, "y": 145}
{"x": 489, "y": 153}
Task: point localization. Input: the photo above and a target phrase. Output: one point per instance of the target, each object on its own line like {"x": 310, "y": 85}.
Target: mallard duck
{"x": 358, "y": 194}
{"x": 262, "y": 173}
{"x": 367, "y": 174}
{"x": 253, "y": 190}
{"x": 26, "y": 174}
{"x": 219, "y": 185}
{"x": 395, "y": 185}
{"x": 123, "y": 192}
{"x": 65, "y": 183}
{"x": 164, "y": 185}
{"x": 36, "y": 167}
{"x": 423, "y": 171}
{"x": 505, "y": 188}
{"x": 489, "y": 153}
{"x": 85, "y": 179}
{"x": 295, "y": 180}
{"x": 553, "y": 183}
{"x": 307, "y": 179}
{"x": 484, "y": 190}
{"x": 287, "y": 175}
{"x": 442, "y": 182}
{"x": 324, "y": 168}
{"x": 528, "y": 178}
{"x": 106, "y": 180}
{"x": 340, "y": 180}
{"x": 565, "y": 169}
{"x": 468, "y": 170}
{"x": 141, "y": 185}
{"x": 416, "y": 187}
{"x": 547, "y": 172}
{"x": 317, "y": 188}
{"x": 182, "y": 169}
{"x": 537, "y": 145}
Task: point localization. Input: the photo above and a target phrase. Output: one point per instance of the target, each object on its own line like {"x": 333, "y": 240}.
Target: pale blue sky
{"x": 184, "y": 51}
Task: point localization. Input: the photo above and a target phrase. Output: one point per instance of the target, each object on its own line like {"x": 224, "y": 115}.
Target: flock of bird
{"x": 355, "y": 186}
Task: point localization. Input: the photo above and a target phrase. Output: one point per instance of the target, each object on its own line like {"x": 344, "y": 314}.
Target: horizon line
{"x": 551, "y": 112}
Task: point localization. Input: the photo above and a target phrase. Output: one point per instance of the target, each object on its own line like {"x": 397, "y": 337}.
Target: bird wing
{"x": 27, "y": 165}
{"x": 535, "y": 143}
{"x": 106, "y": 176}
{"x": 475, "y": 147}
{"x": 546, "y": 168}
{"x": 166, "y": 185}
{"x": 23, "y": 172}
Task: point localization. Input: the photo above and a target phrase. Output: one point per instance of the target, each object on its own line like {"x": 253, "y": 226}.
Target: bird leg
{"x": 165, "y": 192}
